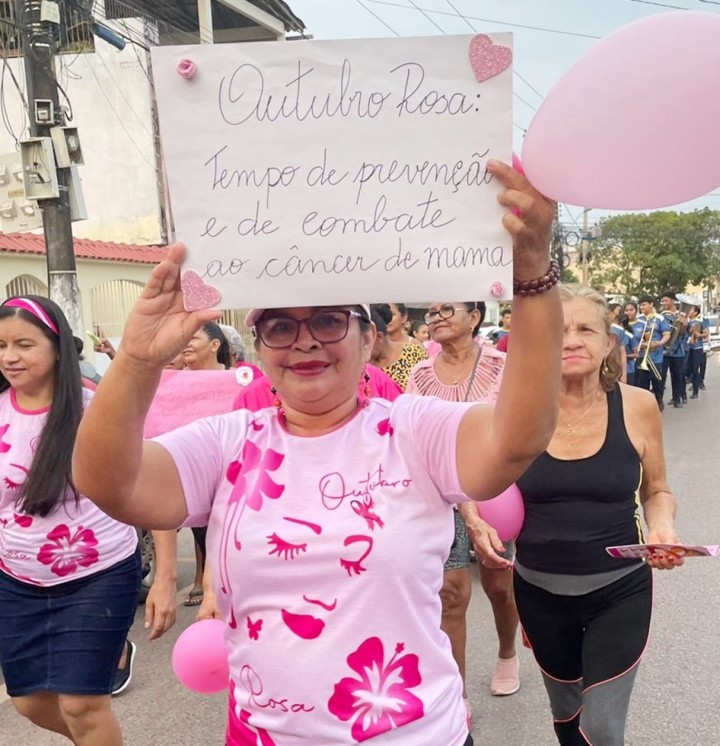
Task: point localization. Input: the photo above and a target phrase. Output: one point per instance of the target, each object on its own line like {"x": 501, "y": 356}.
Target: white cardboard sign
{"x": 334, "y": 172}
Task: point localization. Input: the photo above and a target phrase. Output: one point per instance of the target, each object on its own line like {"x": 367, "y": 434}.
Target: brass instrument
{"x": 676, "y": 327}
{"x": 646, "y": 338}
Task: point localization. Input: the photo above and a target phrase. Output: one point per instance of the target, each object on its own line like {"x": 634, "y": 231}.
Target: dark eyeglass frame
{"x": 445, "y": 312}
{"x": 346, "y": 312}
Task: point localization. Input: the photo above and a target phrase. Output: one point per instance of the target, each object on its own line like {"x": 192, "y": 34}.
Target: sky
{"x": 549, "y": 37}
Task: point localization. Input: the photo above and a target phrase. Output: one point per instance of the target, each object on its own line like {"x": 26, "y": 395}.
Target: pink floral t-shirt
{"x": 327, "y": 557}
{"x": 72, "y": 541}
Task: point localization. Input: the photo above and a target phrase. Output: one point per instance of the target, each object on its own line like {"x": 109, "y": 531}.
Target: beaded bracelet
{"x": 541, "y": 284}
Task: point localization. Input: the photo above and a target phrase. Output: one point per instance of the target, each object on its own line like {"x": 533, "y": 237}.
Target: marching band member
{"x": 655, "y": 334}
{"x": 634, "y": 328}
{"x": 699, "y": 333}
{"x": 674, "y": 356}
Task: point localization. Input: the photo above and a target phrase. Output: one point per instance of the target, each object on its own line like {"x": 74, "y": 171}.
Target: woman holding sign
{"x": 585, "y": 613}
{"x": 69, "y": 574}
{"x": 329, "y": 516}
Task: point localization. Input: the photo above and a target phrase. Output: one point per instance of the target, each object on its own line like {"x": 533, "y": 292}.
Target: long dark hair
{"x": 214, "y": 331}
{"x": 50, "y": 473}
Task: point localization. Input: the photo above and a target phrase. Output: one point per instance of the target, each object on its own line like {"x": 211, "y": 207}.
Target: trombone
{"x": 646, "y": 338}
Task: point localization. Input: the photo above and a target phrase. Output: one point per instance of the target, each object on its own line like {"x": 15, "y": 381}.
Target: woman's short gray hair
{"x": 235, "y": 340}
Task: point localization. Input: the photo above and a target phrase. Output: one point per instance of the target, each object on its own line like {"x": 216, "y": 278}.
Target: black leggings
{"x": 588, "y": 648}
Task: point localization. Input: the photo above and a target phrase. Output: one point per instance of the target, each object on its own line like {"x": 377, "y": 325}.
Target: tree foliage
{"x": 650, "y": 253}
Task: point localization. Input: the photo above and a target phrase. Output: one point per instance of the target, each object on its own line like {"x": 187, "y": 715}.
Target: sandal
{"x": 194, "y": 598}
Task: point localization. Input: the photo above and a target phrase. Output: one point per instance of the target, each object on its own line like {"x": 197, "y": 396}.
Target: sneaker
{"x": 123, "y": 675}
{"x": 694, "y": 396}
{"x": 506, "y": 679}
{"x": 702, "y": 387}
{"x": 677, "y": 404}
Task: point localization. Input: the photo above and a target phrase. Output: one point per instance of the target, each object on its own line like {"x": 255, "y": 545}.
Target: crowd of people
{"x": 335, "y": 508}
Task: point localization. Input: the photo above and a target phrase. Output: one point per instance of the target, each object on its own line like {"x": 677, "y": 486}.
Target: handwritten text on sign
{"x": 340, "y": 171}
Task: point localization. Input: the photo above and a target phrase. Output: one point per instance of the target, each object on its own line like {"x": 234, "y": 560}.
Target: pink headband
{"x": 35, "y": 309}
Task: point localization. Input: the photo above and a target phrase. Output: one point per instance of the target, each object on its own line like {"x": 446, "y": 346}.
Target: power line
{"x": 485, "y": 20}
{"x": 420, "y": 10}
{"x": 474, "y": 30}
{"x": 660, "y": 5}
{"x": 119, "y": 118}
{"x": 375, "y": 15}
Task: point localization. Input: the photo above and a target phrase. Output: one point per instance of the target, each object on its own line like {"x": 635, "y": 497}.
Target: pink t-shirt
{"x": 71, "y": 542}
{"x": 327, "y": 557}
{"x": 258, "y": 395}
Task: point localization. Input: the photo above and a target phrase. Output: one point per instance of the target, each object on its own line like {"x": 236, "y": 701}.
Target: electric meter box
{"x": 67, "y": 146}
{"x": 39, "y": 169}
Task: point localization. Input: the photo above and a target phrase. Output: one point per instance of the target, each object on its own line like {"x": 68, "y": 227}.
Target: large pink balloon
{"x": 505, "y": 513}
{"x": 635, "y": 124}
{"x": 200, "y": 658}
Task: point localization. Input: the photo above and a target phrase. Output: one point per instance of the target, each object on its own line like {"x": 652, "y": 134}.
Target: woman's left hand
{"x": 530, "y": 225}
{"x": 666, "y": 560}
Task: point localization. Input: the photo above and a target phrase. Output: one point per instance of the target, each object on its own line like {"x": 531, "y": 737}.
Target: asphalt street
{"x": 676, "y": 693}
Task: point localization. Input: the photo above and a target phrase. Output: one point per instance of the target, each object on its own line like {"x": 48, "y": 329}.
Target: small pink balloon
{"x": 200, "y": 658}
{"x": 634, "y": 124}
{"x": 505, "y": 513}
{"x": 517, "y": 163}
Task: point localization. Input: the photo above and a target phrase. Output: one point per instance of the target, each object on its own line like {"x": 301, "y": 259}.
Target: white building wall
{"x": 90, "y": 274}
{"x": 111, "y": 102}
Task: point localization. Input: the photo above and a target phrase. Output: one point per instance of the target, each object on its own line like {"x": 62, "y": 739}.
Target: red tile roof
{"x": 85, "y": 248}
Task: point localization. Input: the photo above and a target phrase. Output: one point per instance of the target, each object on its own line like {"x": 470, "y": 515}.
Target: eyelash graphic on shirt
{"x": 11, "y": 484}
{"x": 285, "y": 549}
{"x": 355, "y": 566}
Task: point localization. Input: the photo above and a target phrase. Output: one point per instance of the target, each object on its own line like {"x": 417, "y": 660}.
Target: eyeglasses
{"x": 325, "y": 327}
{"x": 445, "y": 312}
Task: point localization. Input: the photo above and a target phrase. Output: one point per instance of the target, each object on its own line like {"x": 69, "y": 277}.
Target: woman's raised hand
{"x": 530, "y": 224}
{"x": 158, "y": 327}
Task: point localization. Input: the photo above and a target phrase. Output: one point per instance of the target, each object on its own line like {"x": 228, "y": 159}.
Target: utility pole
{"x": 38, "y": 45}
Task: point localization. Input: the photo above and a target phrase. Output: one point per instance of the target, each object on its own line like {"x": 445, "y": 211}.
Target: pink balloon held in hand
{"x": 634, "y": 124}
{"x": 505, "y": 513}
{"x": 200, "y": 658}
{"x": 187, "y": 69}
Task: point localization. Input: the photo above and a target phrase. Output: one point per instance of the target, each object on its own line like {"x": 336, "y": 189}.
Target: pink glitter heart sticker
{"x": 488, "y": 59}
{"x": 197, "y": 294}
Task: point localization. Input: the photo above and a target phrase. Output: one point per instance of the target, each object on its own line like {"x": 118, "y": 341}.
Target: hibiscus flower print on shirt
{"x": 66, "y": 553}
{"x": 380, "y": 698}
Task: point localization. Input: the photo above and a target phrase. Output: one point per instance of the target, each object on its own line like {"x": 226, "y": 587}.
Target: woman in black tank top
{"x": 585, "y": 614}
